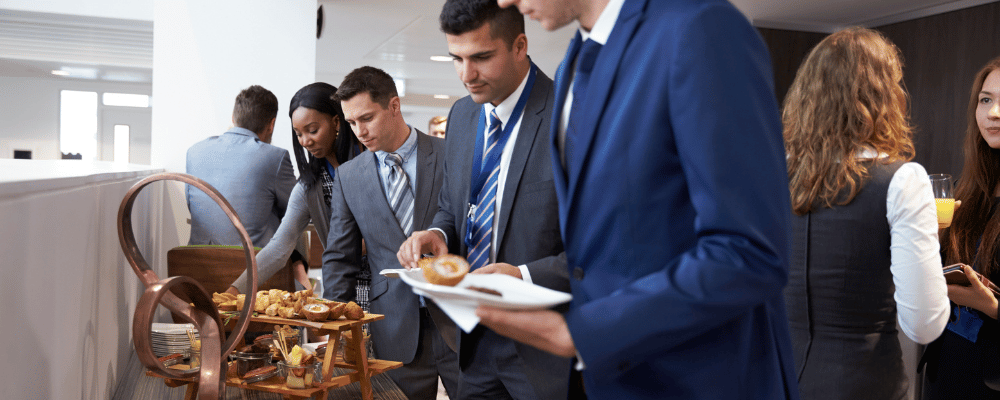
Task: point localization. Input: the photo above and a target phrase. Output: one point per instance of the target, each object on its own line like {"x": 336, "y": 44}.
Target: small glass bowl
{"x": 300, "y": 376}
{"x": 246, "y": 362}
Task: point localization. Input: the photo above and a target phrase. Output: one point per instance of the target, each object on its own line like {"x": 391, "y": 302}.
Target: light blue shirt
{"x": 408, "y": 151}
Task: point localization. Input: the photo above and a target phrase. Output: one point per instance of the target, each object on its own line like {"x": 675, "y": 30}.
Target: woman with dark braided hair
{"x": 321, "y": 141}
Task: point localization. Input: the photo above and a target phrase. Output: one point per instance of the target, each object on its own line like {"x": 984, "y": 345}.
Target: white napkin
{"x": 462, "y": 312}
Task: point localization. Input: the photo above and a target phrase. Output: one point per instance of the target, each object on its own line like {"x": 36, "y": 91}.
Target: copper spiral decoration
{"x": 204, "y": 315}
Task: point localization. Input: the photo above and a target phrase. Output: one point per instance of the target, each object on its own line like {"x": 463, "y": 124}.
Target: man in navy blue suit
{"x": 673, "y": 204}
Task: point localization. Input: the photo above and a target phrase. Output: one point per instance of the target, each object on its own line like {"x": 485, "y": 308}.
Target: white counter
{"x": 67, "y": 295}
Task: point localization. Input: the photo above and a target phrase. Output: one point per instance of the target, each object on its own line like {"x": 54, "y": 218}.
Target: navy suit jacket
{"x": 674, "y": 210}
{"x": 254, "y": 177}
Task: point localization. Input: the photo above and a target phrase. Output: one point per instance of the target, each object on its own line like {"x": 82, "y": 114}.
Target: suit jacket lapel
{"x": 599, "y": 90}
{"x": 561, "y": 87}
{"x": 370, "y": 185}
{"x": 531, "y": 120}
{"x": 426, "y": 164}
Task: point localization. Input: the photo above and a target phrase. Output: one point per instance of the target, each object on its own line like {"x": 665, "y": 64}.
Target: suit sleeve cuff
{"x": 525, "y": 275}
{"x": 445, "y": 236}
{"x": 580, "y": 366}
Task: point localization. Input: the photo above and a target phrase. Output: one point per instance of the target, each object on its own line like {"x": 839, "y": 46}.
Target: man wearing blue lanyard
{"x": 498, "y": 205}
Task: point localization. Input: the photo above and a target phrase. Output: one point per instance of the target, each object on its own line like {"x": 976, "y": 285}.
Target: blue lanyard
{"x": 481, "y": 174}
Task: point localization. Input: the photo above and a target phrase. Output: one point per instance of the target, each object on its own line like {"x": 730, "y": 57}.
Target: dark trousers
{"x": 496, "y": 371}
{"x": 419, "y": 379}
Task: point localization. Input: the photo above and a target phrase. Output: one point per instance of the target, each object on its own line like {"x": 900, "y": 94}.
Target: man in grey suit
{"x": 381, "y": 196}
{"x": 498, "y": 137}
{"x": 254, "y": 176}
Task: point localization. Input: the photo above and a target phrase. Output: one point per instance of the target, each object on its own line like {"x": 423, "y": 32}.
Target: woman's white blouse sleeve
{"x": 921, "y": 293}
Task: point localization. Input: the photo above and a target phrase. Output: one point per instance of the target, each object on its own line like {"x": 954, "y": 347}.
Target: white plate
{"x": 516, "y": 294}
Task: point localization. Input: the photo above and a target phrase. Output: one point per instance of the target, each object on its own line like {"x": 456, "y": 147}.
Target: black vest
{"x": 839, "y": 296}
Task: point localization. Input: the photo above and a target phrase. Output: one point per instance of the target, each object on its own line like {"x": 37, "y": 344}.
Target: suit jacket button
{"x": 578, "y": 273}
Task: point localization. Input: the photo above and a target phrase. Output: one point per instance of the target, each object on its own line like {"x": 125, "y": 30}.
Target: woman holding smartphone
{"x": 965, "y": 361}
{"x": 865, "y": 252}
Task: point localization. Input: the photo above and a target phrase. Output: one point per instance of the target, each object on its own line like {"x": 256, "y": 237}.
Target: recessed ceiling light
{"x": 60, "y": 72}
{"x": 441, "y": 58}
{"x": 442, "y": 96}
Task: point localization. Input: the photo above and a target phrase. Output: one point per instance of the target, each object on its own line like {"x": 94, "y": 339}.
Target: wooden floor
{"x": 136, "y": 385}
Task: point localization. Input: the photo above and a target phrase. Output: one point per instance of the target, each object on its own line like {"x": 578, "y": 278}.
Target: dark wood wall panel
{"x": 942, "y": 54}
{"x": 788, "y": 49}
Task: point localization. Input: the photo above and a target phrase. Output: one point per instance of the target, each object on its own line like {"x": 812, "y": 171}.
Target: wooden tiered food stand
{"x": 364, "y": 368}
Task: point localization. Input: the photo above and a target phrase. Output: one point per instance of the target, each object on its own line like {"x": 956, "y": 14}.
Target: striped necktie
{"x": 400, "y": 193}
{"x": 482, "y": 230}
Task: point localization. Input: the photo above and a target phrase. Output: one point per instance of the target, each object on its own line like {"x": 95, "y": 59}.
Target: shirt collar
{"x": 506, "y": 107}
{"x": 605, "y": 23}
{"x": 243, "y": 131}
{"x": 404, "y": 151}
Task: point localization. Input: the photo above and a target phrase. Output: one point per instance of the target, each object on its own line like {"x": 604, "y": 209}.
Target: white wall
{"x": 72, "y": 295}
{"x": 29, "y": 109}
{"x": 204, "y": 53}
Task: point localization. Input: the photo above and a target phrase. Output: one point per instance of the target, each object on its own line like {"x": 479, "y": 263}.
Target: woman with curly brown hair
{"x": 963, "y": 362}
{"x": 865, "y": 244}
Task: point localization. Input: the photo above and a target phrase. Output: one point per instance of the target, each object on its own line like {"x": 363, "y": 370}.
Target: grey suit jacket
{"x": 360, "y": 210}
{"x": 254, "y": 177}
{"x": 528, "y": 226}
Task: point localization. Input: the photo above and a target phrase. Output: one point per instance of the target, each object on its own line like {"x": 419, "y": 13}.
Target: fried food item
{"x": 446, "y": 269}
{"x": 336, "y": 311}
{"x": 240, "y": 299}
{"x": 266, "y": 370}
{"x": 228, "y": 306}
{"x": 286, "y": 312}
{"x": 262, "y": 302}
{"x": 316, "y": 312}
{"x": 353, "y": 311}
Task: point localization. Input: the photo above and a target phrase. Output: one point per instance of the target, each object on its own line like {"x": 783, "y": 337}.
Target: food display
{"x": 350, "y": 351}
{"x": 447, "y": 269}
{"x": 294, "y": 305}
{"x": 298, "y": 368}
{"x": 249, "y": 358}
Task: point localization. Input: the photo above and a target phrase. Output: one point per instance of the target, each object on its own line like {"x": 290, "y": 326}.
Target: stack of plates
{"x": 172, "y": 338}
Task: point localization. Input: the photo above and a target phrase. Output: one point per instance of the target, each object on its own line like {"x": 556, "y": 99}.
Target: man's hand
{"x": 543, "y": 329}
{"x": 500, "y": 268}
{"x": 418, "y": 243}
{"x": 976, "y": 295}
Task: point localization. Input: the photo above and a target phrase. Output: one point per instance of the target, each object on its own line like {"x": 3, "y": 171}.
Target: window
{"x": 126, "y": 100}
{"x": 78, "y": 123}
{"x": 121, "y": 143}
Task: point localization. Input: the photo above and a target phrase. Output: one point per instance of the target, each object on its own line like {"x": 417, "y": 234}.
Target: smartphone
{"x": 954, "y": 275}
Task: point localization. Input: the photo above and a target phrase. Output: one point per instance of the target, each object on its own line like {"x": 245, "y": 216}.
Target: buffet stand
{"x": 363, "y": 369}
{"x": 210, "y": 379}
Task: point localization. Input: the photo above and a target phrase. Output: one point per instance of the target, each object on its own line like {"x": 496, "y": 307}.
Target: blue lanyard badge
{"x": 481, "y": 175}
{"x": 967, "y": 324}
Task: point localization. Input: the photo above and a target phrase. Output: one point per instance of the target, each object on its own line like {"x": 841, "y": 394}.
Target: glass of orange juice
{"x": 944, "y": 196}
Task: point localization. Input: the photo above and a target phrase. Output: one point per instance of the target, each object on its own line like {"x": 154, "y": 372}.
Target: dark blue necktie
{"x": 482, "y": 231}
{"x": 585, "y": 61}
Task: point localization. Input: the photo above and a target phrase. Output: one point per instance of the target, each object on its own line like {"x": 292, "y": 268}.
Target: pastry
{"x": 447, "y": 269}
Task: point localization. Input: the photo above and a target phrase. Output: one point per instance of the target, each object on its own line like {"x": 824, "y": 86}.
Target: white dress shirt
{"x": 921, "y": 293}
